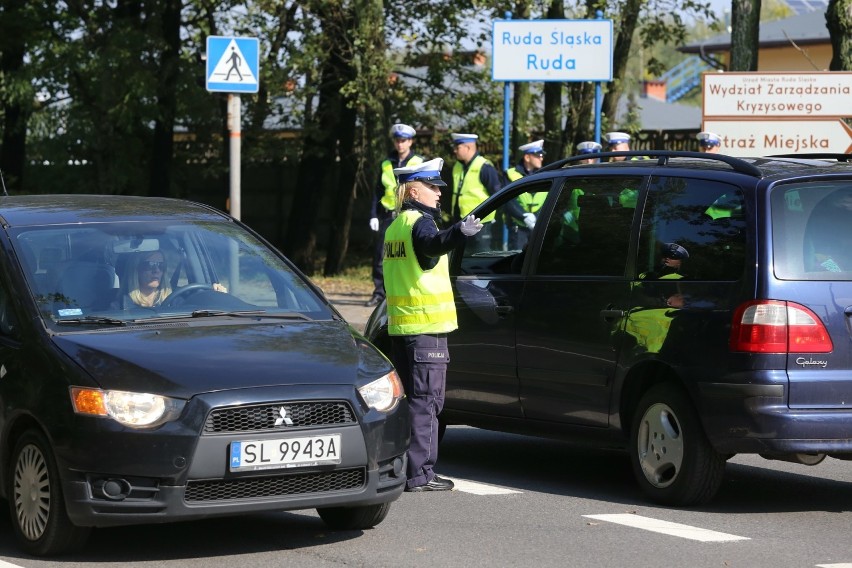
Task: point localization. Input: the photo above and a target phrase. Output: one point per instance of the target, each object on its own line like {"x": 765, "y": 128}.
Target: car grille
{"x": 293, "y": 484}
{"x": 264, "y": 417}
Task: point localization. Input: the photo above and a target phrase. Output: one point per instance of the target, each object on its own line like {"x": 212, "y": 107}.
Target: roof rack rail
{"x": 662, "y": 156}
{"x": 817, "y": 156}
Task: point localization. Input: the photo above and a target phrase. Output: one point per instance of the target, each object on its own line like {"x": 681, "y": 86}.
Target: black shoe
{"x": 374, "y": 301}
{"x": 437, "y": 484}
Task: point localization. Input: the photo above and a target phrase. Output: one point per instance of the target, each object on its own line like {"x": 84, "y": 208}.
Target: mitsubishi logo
{"x": 283, "y": 418}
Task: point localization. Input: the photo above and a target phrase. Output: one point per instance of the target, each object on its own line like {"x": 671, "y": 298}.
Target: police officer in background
{"x": 421, "y": 310}
{"x": 474, "y": 179}
{"x": 617, "y": 142}
{"x": 709, "y": 142}
{"x": 588, "y": 147}
{"x": 520, "y": 226}
{"x": 383, "y": 206}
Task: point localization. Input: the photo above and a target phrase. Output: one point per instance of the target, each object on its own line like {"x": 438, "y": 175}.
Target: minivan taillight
{"x": 773, "y": 326}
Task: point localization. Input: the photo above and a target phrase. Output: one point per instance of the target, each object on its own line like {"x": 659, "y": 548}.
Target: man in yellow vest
{"x": 474, "y": 179}
{"x": 522, "y": 223}
{"x": 383, "y": 207}
{"x": 421, "y": 310}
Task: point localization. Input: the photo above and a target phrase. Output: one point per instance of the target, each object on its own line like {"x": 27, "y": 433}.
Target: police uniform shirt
{"x": 430, "y": 243}
{"x": 376, "y": 209}
{"x": 488, "y": 175}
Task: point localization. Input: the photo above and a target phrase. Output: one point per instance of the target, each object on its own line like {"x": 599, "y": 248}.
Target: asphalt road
{"x": 520, "y": 502}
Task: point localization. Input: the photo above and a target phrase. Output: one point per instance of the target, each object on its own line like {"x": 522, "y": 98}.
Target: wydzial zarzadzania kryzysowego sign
{"x": 551, "y": 50}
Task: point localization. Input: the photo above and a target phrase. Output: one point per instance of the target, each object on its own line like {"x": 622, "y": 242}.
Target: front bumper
{"x": 116, "y": 476}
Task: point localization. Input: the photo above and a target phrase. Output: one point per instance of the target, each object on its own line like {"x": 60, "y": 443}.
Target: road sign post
{"x": 233, "y": 67}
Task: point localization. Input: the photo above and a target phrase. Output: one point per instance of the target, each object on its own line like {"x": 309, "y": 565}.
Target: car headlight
{"x": 384, "y": 393}
{"x": 133, "y": 409}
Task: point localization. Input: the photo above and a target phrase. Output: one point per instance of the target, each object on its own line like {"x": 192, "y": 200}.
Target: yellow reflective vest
{"x": 418, "y": 301}
{"x": 468, "y": 190}
{"x": 388, "y": 200}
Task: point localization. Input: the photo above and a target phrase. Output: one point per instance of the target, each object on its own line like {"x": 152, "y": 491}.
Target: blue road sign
{"x": 233, "y": 64}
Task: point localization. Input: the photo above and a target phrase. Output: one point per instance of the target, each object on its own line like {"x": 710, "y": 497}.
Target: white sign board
{"x": 767, "y": 137}
{"x": 551, "y": 50}
{"x": 777, "y": 95}
{"x": 232, "y": 64}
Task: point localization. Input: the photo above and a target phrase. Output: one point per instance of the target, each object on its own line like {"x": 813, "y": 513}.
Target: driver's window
{"x": 500, "y": 247}
{"x": 8, "y": 321}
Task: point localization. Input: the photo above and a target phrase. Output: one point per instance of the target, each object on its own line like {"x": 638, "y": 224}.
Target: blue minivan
{"x": 685, "y": 307}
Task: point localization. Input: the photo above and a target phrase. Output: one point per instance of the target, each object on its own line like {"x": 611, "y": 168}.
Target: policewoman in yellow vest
{"x": 474, "y": 179}
{"x": 383, "y": 207}
{"x": 421, "y": 310}
{"x": 520, "y": 227}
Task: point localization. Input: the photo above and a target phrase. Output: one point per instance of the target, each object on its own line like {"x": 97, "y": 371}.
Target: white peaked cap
{"x": 613, "y": 138}
{"x": 427, "y": 172}
{"x": 536, "y": 147}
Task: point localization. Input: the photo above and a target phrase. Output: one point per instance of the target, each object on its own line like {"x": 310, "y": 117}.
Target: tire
{"x": 354, "y": 518}
{"x": 39, "y": 518}
{"x": 671, "y": 457}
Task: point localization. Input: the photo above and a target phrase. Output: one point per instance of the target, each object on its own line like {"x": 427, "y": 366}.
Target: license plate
{"x": 285, "y": 453}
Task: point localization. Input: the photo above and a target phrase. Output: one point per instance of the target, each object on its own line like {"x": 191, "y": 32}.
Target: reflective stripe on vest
{"x": 388, "y": 200}
{"x": 468, "y": 190}
{"x": 418, "y": 301}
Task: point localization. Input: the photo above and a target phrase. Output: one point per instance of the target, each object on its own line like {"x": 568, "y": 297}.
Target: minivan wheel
{"x": 354, "y": 518}
{"x": 39, "y": 518}
{"x": 672, "y": 459}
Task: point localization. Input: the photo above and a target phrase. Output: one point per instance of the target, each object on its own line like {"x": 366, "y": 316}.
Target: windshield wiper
{"x": 94, "y": 320}
{"x": 249, "y": 313}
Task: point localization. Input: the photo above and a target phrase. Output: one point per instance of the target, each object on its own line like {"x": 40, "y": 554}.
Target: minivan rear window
{"x": 812, "y": 230}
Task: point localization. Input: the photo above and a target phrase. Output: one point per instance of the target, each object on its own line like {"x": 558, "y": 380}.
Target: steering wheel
{"x": 170, "y": 300}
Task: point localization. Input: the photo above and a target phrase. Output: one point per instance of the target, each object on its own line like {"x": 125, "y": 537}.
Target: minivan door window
{"x": 487, "y": 287}
{"x": 566, "y": 355}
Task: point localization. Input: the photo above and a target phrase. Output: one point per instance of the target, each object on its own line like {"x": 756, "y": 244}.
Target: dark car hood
{"x": 184, "y": 360}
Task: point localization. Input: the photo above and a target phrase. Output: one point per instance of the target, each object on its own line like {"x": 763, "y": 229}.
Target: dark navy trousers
{"x": 421, "y": 361}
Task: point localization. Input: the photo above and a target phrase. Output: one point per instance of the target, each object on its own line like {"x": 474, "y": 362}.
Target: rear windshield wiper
{"x": 94, "y": 320}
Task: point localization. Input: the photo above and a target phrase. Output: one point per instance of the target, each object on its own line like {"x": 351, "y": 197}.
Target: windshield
{"x": 812, "y": 231}
{"x": 112, "y": 273}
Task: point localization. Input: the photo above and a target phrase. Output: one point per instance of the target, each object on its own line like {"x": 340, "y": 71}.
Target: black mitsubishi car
{"x": 159, "y": 361}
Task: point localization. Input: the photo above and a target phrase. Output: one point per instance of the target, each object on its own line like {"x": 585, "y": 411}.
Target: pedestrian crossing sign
{"x": 232, "y": 64}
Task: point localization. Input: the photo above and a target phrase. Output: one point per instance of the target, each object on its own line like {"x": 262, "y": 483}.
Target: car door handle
{"x": 612, "y": 314}
{"x": 504, "y": 310}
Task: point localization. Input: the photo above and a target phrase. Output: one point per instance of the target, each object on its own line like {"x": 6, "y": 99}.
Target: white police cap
{"x": 463, "y": 138}
{"x": 402, "y": 131}
{"x": 709, "y": 139}
{"x": 613, "y": 138}
{"x": 675, "y": 251}
{"x": 588, "y": 147}
{"x": 427, "y": 172}
{"x": 536, "y": 147}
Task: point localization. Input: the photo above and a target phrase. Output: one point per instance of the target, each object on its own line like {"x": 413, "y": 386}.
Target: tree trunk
{"x": 553, "y": 100}
{"x": 838, "y": 20}
{"x": 162, "y": 151}
{"x": 745, "y": 34}
{"x": 521, "y": 98}
{"x": 629, "y": 16}
{"x": 15, "y": 113}
{"x": 318, "y": 166}
{"x": 344, "y": 196}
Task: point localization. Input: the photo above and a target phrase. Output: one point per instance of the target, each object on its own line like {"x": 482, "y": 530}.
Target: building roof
{"x": 803, "y": 29}
{"x": 655, "y": 114}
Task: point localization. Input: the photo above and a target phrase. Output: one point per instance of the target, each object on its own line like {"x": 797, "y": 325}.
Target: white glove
{"x": 529, "y": 220}
{"x": 470, "y": 226}
{"x": 374, "y": 224}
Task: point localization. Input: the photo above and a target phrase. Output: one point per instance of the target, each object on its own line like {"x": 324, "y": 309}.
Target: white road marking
{"x": 480, "y": 488}
{"x": 8, "y": 565}
{"x": 841, "y": 565}
{"x": 665, "y": 527}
